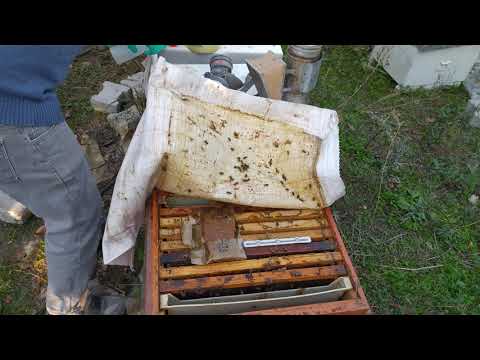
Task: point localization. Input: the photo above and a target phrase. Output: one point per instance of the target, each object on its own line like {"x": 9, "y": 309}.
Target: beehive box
{"x": 313, "y": 278}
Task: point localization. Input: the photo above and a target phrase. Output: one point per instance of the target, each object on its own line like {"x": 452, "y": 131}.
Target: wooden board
{"x": 316, "y": 235}
{"x": 234, "y": 267}
{"x": 343, "y": 307}
{"x": 244, "y": 217}
{"x": 255, "y": 279}
{"x": 186, "y": 211}
{"x": 170, "y": 233}
{"x": 174, "y": 242}
{"x": 172, "y": 222}
{"x": 280, "y": 215}
{"x": 177, "y": 245}
{"x": 152, "y": 264}
{"x": 177, "y": 258}
{"x": 313, "y": 247}
{"x": 277, "y": 219}
{"x": 281, "y": 226}
{"x": 357, "y": 291}
{"x": 180, "y": 257}
{"x": 171, "y": 212}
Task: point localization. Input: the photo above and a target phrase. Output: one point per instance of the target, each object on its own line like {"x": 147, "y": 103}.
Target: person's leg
{"x": 46, "y": 170}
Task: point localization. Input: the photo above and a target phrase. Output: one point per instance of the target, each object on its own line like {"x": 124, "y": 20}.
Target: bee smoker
{"x": 303, "y": 67}
{"x": 221, "y": 67}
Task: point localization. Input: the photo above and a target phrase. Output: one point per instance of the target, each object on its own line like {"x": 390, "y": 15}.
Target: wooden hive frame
{"x": 333, "y": 260}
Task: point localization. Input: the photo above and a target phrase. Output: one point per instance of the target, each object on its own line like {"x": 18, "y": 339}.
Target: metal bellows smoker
{"x": 303, "y": 67}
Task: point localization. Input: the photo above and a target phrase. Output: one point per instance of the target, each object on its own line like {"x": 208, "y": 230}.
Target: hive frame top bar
{"x": 280, "y": 241}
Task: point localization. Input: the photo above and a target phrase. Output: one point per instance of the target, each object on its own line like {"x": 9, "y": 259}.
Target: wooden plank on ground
{"x": 323, "y": 273}
{"x": 239, "y": 266}
{"x": 316, "y": 235}
{"x": 281, "y": 226}
{"x": 342, "y": 307}
{"x": 277, "y": 215}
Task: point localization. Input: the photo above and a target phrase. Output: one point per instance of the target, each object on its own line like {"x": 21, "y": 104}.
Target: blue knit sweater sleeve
{"x": 29, "y": 77}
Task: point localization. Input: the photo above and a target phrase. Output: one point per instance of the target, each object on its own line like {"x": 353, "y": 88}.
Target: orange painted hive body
{"x": 293, "y": 269}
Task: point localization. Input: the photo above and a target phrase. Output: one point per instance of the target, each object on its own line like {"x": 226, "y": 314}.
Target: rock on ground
{"x": 473, "y": 111}
{"x": 125, "y": 123}
{"x": 134, "y": 82}
{"x": 95, "y": 158}
{"x": 472, "y": 83}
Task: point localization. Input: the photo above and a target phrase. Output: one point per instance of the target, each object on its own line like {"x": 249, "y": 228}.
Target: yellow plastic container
{"x": 203, "y": 49}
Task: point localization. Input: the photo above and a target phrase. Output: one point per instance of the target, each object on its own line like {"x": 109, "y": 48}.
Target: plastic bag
{"x": 11, "y": 211}
{"x": 220, "y": 236}
{"x": 212, "y": 237}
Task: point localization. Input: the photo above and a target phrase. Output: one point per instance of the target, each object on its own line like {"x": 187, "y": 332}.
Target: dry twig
{"x": 359, "y": 87}
{"x": 382, "y": 174}
{"x": 412, "y": 269}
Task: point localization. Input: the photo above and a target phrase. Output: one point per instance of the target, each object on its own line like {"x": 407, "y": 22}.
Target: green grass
{"x": 410, "y": 162}
{"x": 15, "y": 293}
{"x": 20, "y": 276}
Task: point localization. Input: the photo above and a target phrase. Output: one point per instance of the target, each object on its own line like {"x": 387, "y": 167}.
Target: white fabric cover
{"x": 176, "y": 95}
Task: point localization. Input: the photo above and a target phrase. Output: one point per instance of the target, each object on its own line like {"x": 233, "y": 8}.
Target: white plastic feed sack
{"x": 200, "y": 139}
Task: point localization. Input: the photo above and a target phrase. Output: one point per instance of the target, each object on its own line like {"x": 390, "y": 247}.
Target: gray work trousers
{"x": 45, "y": 169}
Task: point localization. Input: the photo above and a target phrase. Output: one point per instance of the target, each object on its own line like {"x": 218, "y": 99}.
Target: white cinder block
{"x": 426, "y": 65}
{"x": 135, "y": 81}
{"x": 107, "y": 100}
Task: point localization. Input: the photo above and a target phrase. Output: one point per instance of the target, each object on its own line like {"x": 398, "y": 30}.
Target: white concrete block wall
{"x": 412, "y": 68}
